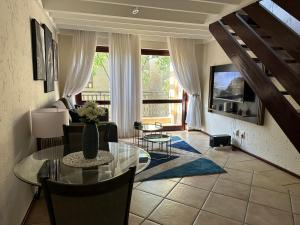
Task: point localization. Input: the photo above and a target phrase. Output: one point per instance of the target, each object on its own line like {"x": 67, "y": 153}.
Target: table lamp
{"x": 47, "y": 126}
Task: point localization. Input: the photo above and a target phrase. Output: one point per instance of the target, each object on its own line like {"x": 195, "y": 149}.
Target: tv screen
{"x": 228, "y": 85}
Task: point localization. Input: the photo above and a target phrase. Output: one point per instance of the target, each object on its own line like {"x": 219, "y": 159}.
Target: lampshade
{"x": 48, "y": 122}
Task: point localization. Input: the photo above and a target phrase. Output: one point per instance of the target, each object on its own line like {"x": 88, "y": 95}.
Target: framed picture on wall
{"x": 55, "y": 59}
{"x": 38, "y": 51}
{"x": 49, "y": 83}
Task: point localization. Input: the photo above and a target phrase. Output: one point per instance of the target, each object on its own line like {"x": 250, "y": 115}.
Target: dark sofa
{"x": 108, "y": 132}
{"x": 66, "y": 103}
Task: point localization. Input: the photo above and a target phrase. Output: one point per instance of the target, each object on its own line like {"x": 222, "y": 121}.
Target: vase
{"x": 90, "y": 140}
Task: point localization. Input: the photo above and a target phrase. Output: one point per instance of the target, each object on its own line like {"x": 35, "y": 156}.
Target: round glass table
{"x": 161, "y": 139}
{"x": 125, "y": 156}
{"x": 151, "y": 127}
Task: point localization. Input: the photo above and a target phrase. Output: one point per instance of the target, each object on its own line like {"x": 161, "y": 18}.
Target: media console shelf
{"x": 231, "y": 96}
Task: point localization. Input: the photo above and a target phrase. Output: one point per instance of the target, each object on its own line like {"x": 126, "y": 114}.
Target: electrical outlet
{"x": 243, "y": 135}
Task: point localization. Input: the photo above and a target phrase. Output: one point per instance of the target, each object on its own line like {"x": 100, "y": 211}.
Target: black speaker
{"x": 220, "y": 140}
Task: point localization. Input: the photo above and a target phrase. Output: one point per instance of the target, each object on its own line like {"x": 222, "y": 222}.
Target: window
{"x": 99, "y": 90}
{"x": 162, "y": 95}
{"x": 90, "y": 83}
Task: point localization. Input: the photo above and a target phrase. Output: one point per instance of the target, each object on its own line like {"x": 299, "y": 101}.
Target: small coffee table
{"x": 161, "y": 139}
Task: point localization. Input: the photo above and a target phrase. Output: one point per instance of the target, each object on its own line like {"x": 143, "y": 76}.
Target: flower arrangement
{"x": 90, "y": 112}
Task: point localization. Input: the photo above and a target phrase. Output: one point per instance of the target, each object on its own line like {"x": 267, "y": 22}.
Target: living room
{"x": 176, "y": 51}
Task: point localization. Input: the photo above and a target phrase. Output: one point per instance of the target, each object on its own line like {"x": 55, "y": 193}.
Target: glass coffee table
{"x": 162, "y": 140}
{"x": 146, "y": 129}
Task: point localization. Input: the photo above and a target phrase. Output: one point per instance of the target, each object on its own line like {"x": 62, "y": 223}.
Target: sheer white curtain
{"x": 183, "y": 57}
{"x": 79, "y": 71}
{"x": 125, "y": 81}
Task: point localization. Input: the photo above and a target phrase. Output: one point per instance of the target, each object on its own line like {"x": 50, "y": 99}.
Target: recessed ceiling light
{"x": 135, "y": 11}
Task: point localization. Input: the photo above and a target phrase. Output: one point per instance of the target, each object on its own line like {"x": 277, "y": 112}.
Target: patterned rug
{"x": 185, "y": 161}
{"x": 184, "y": 146}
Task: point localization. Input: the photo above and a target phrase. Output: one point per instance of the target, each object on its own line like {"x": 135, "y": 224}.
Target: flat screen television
{"x": 228, "y": 84}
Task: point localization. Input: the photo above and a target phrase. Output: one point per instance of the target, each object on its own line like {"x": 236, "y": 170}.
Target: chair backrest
{"x": 138, "y": 125}
{"x": 105, "y": 203}
{"x": 73, "y": 136}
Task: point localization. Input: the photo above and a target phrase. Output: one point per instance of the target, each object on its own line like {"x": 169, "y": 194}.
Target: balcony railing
{"x": 149, "y": 110}
{"x": 105, "y": 95}
{"x": 95, "y": 96}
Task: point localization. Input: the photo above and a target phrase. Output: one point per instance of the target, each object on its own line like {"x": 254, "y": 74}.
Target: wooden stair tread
{"x": 286, "y": 60}
{"x": 274, "y": 48}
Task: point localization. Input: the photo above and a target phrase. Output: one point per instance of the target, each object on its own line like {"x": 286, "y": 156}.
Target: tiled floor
{"x": 251, "y": 193}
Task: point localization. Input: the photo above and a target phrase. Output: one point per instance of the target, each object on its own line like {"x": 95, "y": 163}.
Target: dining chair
{"x": 73, "y": 136}
{"x": 103, "y": 203}
{"x": 137, "y": 129}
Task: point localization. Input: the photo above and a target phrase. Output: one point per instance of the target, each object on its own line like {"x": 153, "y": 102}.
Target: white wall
{"x": 19, "y": 94}
{"x": 267, "y": 141}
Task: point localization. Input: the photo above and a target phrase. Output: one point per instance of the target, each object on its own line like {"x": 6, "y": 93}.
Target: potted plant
{"x": 89, "y": 114}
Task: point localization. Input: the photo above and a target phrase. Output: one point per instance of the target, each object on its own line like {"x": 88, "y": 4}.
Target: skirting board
{"x": 266, "y": 161}
{"x": 29, "y": 210}
{"x": 262, "y": 159}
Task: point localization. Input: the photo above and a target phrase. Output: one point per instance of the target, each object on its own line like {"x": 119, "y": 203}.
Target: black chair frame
{"x": 69, "y": 190}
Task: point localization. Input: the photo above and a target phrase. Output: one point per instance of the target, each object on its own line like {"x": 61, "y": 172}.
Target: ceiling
{"x": 156, "y": 19}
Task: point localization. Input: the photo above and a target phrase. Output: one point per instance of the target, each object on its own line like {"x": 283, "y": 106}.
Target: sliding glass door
{"x": 163, "y": 99}
{"x": 162, "y": 94}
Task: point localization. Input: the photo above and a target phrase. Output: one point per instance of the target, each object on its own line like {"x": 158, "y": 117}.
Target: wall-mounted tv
{"x": 228, "y": 84}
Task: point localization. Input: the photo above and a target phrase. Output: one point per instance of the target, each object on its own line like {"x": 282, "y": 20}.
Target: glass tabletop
{"x": 125, "y": 156}
{"x": 151, "y": 127}
{"x": 157, "y": 138}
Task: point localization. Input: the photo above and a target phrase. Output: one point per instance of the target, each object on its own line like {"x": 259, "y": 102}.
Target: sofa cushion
{"x": 59, "y": 104}
{"x": 68, "y": 103}
{"x": 74, "y": 115}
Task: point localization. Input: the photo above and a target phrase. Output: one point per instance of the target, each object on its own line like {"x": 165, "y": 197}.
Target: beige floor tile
{"x": 270, "y": 198}
{"x": 158, "y": 187}
{"x": 263, "y": 215}
{"x": 297, "y": 219}
{"x": 238, "y": 156}
{"x": 134, "y": 220}
{"x": 39, "y": 213}
{"x": 219, "y": 157}
{"x": 250, "y": 165}
{"x": 207, "y": 218}
{"x": 295, "y": 204}
{"x": 226, "y": 206}
{"x": 148, "y": 222}
{"x": 260, "y": 180}
{"x": 188, "y": 195}
{"x": 173, "y": 213}
{"x": 205, "y": 182}
{"x": 142, "y": 203}
{"x": 294, "y": 189}
{"x": 281, "y": 177}
{"x": 176, "y": 179}
{"x": 135, "y": 184}
{"x": 233, "y": 189}
{"x": 218, "y": 154}
{"x": 237, "y": 176}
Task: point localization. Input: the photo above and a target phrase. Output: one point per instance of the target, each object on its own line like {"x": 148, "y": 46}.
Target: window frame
{"x": 183, "y": 100}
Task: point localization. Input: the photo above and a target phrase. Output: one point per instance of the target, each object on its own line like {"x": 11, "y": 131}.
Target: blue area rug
{"x": 199, "y": 166}
{"x": 157, "y": 159}
{"x": 184, "y": 146}
{"x": 175, "y": 138}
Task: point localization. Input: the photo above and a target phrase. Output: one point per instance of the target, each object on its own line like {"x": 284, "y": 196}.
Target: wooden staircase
{"x": 253, "y": 36}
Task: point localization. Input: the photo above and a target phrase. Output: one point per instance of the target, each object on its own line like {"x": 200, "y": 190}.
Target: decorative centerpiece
{"x": 89, "y": 114}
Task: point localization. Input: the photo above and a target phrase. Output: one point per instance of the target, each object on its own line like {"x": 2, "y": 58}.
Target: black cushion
{"x": 67, "y": 103}
{"x": 74, "y": 115}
